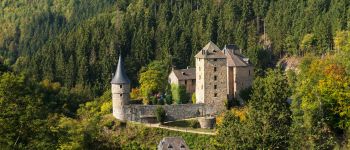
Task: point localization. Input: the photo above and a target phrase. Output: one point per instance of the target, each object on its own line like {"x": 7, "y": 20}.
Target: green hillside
{"x": 57, "y": 58}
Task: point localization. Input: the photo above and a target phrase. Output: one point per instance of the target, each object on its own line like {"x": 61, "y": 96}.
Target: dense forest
{"x": 57, "y": 58}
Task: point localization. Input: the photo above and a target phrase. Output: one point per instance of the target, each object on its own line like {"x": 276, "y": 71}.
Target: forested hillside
{"x": 77, "y": 42}
{"x": 57, "y": 58}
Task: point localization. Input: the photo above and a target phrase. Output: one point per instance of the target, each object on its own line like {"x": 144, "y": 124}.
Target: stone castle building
{"x": 218, "y": 75}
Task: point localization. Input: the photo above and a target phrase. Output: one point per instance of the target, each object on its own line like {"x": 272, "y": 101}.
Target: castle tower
{"x": 120, "y": 91}
{"x": 211, "y": 77}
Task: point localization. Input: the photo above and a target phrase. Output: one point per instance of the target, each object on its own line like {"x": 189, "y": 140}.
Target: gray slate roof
{"x": 234, "y": 58}
{"x": 185, "y": 74}
{"x": 210, "y": 51}
{"x": 172, "y": 143}
{"x": 120, "y": 76}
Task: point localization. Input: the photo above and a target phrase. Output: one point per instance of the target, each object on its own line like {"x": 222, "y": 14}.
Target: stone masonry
{"x": 211, "y": 76}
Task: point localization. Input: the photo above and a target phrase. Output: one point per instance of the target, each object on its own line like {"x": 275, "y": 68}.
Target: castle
{"x": 219, "y": 75}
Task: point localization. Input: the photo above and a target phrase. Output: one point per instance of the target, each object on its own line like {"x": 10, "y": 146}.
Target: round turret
{"x": 120, "y": 91}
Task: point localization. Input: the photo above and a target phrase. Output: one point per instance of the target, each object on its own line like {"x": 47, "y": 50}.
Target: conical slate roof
{"x": 120, "y": 76}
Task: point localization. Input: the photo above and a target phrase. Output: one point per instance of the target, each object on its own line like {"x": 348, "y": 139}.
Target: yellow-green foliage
{"x": 342, "y": 40}
{"x": 193, "y": 98}
{"x": 135, "y": 93}
{"x": 325, "y": 83}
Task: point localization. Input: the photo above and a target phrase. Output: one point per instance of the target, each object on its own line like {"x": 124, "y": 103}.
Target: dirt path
{"x": 176, "y": 129}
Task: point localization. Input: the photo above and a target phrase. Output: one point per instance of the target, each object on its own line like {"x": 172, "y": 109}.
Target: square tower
{"x": 211, "y": 77}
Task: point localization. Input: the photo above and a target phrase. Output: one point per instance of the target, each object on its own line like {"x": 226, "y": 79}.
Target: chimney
{"x": 246, "y": 60}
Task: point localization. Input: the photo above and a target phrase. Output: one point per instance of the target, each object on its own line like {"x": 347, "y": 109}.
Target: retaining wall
{"x": 174, "y": 112}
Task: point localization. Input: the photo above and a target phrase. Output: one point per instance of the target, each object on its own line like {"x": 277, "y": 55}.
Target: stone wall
{"x": 174, "y": 112}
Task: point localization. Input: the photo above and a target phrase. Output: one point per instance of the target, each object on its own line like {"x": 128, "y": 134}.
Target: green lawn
{"x": 188, "y": 124}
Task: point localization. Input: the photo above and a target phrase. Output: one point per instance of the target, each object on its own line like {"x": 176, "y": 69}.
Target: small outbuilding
{"x": 185, "y": 77}
{"x": 172, "y": 143}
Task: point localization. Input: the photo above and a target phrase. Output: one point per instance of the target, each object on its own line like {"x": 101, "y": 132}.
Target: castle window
{"x": 199, "y": 77}
{"x": 121, "y": 86}
{"x": 215, "y": 59}
{"x": 202, "y": 87}
{"x": 214, "y": 69}
{"x": 215, "y": 94}
{"x": 186, "y": 82}
{"x": 121, "y": 95}
{"x": 249, "y": 72}
{"x": 215, "y": 86}
{"x": 215, "y": 78}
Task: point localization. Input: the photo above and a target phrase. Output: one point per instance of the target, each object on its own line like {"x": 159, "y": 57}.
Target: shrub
{"x": 146, "y": 101}
{"x": 160, "y": 114}
{"x": 194, "y": 98}
{"x": 168, "y": 99}
{"x": 245, "y": 94}
{"x": 179, "y": 94}
{"x": 161, "y": 101}
{"x": 194, "y": 123}
{"x": 229, "y": 103}
{"x": 135, "y": 93}
{"x": 154, "y": 100}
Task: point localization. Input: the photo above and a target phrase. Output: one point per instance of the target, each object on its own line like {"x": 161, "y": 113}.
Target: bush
{"x": 160, "y": 114}
{"x": 146, "y": 101}
{"x": 168, "y": 99}
{"x": 245, "y": 94}
{"x": 179, "y": 94}
{"x": 161, "y": 101}
{"x": 154, "y": 100}
{"x": 135, "y": 93}
{"x": 194, "y": 123}
{"x": 194, "y": 98}
{"x": 230, "y": 103}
